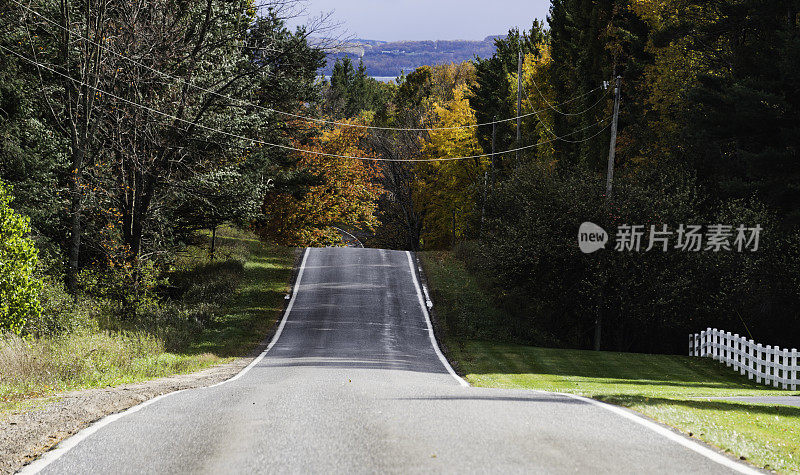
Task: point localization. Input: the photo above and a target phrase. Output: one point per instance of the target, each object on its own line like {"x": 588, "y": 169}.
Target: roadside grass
{"x": 254, "y": 307}
{"x": 224, "y": 309}
{"x": 671, "y": 389}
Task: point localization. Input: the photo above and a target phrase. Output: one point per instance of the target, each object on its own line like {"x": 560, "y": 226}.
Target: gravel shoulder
{"x": 28, "y": 433}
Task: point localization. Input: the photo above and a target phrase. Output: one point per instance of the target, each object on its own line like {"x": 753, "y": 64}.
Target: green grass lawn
{"x": 256, "y": 304}
{"x": 674, "y": 390}
{"x": 237, "y": 299}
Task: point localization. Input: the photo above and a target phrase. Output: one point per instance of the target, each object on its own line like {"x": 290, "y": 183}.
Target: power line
{"x": 284, "y": 147}
{"x": 569, "y": 114}
{"x": 550, "y": 131}
{"x": 288, "y": 114}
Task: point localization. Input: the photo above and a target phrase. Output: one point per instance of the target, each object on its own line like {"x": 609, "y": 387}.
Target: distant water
{"x": 377, "y": 78}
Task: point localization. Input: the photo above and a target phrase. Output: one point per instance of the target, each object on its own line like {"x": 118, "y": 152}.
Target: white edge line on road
{"x": 667, "y": 433}
{"x": 345, "y": 232}
{"x": 428, "y": 300}
{"x": 65, "y": 446}
{"x": 430, "y": 325}
{"x": 658, "y": 429}
{"x": 278, "y": 332}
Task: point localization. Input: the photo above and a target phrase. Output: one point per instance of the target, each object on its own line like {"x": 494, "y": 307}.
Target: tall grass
{"x": 181, "y": 327}
{"x": 85, "y": 359}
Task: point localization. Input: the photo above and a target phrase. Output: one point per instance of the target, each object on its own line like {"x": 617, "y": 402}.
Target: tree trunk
{"x": 75, "y": 218}
{"x": 213, "y": 241}
{"x": 598, "y": 330}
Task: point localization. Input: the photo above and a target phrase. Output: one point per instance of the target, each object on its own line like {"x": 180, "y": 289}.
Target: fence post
{"x": 703, "y": 339}
{"x": 768, "y": 365}
{"x": 728, "y": 349}
{"x": 714, "y": 345}
{"x": 759, "y": 362}
{"x": 793, "y": 384}
{"x": 745, "y": 353}
{"x": 736, "y": 352}
{"x": 724, "y": 347}
{"x": 710, "y": 338}
{"x": 785, "y": 369}
{"x": 776, "y": 365}
{"x": 752, "y": 369}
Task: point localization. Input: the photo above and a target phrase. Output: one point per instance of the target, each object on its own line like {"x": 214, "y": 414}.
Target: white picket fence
{"x": 770, "y": 365}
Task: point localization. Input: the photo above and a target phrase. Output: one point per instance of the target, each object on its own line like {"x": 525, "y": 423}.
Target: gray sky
{"x": 393, "y": 20}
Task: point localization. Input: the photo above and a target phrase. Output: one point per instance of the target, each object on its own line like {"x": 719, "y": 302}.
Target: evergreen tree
{"x": 592, "y": 42}
{"x": 492, "y": 98}
{"x": 743, "y": 118}
{"x": 353, "y": 91}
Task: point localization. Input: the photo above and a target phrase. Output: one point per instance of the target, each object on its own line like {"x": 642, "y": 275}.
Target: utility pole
{"x": 612, "y": 151}
{"x": 483, "y": 203}
{"x": 519, "y": 101}
{"x": 494, "y": 138}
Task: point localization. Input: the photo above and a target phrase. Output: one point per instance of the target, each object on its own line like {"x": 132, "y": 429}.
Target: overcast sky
{"x": 393, "y": 20}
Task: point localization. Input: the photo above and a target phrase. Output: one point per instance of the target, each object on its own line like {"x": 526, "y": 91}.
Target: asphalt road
{"x": 354, "y": 384}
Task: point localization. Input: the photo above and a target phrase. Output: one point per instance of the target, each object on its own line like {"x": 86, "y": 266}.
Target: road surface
{"x": 353, "y": 383}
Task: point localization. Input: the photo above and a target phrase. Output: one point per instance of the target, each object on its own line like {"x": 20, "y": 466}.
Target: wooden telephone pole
{"x": 612, "y": 149}
{"x": 612, "y": 152}
{"x": 519, "y": 102}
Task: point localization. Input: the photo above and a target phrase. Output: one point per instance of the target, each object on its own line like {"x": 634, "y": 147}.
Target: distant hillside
{"x": 384, "y": 58}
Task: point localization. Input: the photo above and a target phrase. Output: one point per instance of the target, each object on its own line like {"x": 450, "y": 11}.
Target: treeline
{"x": 127, "y": 128}
{"x": 391, "y": 59}
{"x": 707, "y": 135}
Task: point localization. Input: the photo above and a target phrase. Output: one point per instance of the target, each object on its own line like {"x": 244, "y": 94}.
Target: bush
{"x": 60, "y": 312}
{"x": 18, "y": 286}
{"x": 648, "y": 301}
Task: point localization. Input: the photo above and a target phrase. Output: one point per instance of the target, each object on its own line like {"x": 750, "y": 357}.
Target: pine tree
{"x": 743, "y": 119}
{"x": 492, "y": 97}
{"x": 592, "y": 42}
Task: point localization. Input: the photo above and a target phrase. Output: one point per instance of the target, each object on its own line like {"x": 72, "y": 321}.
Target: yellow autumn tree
{"x": 345, "y": 194}
{"x": 674, "y": 69}
{"x": 537, "y": 97}
{"x": 450, "y": 192}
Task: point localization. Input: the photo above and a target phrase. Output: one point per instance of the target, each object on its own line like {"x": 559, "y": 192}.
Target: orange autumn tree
{"x": 344, "y": 193}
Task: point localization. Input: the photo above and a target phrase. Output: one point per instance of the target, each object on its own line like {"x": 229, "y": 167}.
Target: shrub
{"x": 60, "y": 312}
{"x": 18, "y": 287}
{"x": 648, "y": 301}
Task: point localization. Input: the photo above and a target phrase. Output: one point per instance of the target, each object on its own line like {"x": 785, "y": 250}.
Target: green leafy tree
{"x": 19, "y": 287}
{"x": 32, "y": 159}
{"x": 352, "y": 90}
{"x": 213, "y": 199}
{"x": 592, "y": 42}
{"x": 491, "y": 96}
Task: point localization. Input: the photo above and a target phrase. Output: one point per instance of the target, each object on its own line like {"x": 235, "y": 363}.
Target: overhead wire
{"x": 569, "y": 114}
{"x": 290, "y": 114}
{"x": 280, "y": 146}
{"x": 548, "y": 129}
